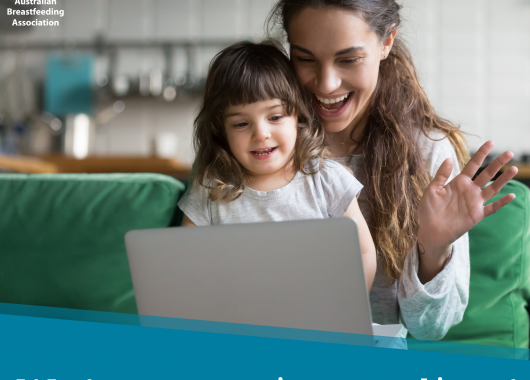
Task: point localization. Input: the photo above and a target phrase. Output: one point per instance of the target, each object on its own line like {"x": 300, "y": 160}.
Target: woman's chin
{"x": 334, "y": 126}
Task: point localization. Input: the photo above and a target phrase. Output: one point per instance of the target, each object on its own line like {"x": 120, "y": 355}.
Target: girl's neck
{"x": 272, "y": 181}
{"x": 346, "y": 142}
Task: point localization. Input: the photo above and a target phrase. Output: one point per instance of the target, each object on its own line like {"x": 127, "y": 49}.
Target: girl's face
{"x": 261, "y": 136}
{"x": 336, "y": 57}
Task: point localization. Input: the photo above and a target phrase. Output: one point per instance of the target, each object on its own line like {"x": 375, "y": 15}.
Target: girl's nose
{"x": 261, "y": 132}
{"x": 327, "y": 79}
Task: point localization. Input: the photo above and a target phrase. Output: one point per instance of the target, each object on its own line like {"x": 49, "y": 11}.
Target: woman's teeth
{"x": 332, "y": 101}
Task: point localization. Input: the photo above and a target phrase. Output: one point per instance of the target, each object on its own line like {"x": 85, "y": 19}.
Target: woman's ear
{"x": 388, "y": 42}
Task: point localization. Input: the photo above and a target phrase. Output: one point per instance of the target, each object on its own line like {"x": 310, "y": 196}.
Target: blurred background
{"x": 116, "y": 86}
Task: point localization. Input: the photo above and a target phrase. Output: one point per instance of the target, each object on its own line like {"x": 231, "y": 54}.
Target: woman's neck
{"x": 346, "y": 142}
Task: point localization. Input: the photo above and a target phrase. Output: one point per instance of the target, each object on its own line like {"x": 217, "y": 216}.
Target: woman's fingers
{"x": 492, "y": 169}
{"x": 497, "y": 185}
{"x": 478, "y": 158}
{"x": 443, "y": 173}
{"x": 492, "y": 208}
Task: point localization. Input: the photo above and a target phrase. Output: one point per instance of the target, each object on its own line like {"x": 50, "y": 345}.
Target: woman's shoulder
{"x": 436, "y": 148}
{"x": 434, "y": 140}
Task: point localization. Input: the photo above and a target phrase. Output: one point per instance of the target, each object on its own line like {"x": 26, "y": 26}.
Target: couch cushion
{"x": 62, "y": 236}
{"x": 497, "y": 313}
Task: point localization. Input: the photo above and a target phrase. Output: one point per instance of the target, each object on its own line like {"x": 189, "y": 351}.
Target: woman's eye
{"x": 352, "y": 60}
{"x": 305, "y": 59}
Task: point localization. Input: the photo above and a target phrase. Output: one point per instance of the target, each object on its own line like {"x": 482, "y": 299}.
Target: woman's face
{"x": 336, "y": 57}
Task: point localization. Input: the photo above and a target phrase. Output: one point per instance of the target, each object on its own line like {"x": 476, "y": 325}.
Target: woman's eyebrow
{"x": 353, "y": 49}
{"x": 303, "y": 50}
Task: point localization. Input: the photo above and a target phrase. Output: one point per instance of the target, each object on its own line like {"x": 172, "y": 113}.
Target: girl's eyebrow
{"x": 234, "y": 114}
{"x": 353, "y": 49}
{"x": 242, "y": 113}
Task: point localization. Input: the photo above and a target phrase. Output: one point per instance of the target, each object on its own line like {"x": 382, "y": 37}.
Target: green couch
{"x": 499, "y": 291}
{"x": 61, "y": 245}
{"x": 61, "y": 236}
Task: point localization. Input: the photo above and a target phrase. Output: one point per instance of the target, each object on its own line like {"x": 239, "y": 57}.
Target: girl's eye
{"x": 276, "y": 118}
{"x": 240, "y": 125}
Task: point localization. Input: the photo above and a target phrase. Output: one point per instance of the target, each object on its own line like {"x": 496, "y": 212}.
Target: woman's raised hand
{"x": 448, "y": 211}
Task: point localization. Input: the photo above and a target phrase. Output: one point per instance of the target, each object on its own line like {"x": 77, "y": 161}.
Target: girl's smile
{"x": 263, "y": 154}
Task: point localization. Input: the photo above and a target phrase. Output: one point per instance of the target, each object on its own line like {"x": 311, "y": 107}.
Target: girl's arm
{"x": 186, "y": 222}
{"x": 367, "y": 243}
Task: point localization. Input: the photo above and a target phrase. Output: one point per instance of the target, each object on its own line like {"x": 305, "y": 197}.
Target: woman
{"x": 379, "y": 121}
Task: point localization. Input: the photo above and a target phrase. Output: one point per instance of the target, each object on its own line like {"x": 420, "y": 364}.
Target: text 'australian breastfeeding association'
{"x": 25, "y": 11}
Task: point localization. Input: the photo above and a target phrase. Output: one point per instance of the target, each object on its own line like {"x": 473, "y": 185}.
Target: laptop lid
{"x": 296, "y": 274}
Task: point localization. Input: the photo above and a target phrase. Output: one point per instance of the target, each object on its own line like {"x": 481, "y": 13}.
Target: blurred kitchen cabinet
{"x": 177, "y": 19}
{"x": 221, "y": 19}
{"x": 130, "y": 19}
{"x": 82, "y": 18}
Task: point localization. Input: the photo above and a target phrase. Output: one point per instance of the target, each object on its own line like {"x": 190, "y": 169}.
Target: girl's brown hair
{"x": 246, "y": 73}
{"x": 393, "y": 162}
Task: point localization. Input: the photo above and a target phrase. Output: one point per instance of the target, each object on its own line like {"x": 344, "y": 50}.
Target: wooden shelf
{"x": 524, "y": 170}
{"x": 28, "y": 165}
{"x": 118, "y": 164}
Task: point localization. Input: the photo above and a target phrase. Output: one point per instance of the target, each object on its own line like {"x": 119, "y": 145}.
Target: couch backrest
{"x": 497, "y": 313}
{"x": 62, "y": 236}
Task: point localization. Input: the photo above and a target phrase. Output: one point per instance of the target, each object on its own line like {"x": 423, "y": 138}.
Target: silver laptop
{"x": 302, "y": 274}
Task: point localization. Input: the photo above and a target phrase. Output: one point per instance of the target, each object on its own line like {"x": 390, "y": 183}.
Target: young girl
{"x": 260, "y": 150}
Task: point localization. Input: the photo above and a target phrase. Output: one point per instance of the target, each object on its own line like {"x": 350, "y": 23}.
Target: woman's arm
{"x": 433, "y": 291}
{"x": 429, "y": 310}
{"x": 186, "y": 222}
{"x": 367, "y": 243}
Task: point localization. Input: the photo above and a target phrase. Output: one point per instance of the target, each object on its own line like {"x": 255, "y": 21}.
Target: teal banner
{"x": 47, "y": 343}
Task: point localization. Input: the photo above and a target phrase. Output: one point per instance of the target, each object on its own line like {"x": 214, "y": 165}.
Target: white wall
{"x": 473, "y": 57}
{"x": 474, "y": 62}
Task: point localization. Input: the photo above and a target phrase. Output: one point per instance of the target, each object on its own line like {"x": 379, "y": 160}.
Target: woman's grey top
{"x": 429, "y": 310}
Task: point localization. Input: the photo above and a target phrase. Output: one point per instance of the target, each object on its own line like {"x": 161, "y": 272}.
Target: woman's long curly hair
{"x": 246, "y": 73}
{"x": 395, "y": 172}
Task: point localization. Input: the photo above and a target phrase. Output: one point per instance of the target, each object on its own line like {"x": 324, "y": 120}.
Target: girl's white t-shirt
{"x": 327, "y": 193}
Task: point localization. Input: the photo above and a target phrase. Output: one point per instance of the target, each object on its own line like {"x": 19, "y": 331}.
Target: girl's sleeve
{"x": 339, "y": 188}
{"x": 429, "y": 310}
{"x": 195, "y": 204}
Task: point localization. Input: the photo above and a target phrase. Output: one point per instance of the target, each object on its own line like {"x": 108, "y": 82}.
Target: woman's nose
{"x": 261, "y": 132}
{"x": 327, "y": 79}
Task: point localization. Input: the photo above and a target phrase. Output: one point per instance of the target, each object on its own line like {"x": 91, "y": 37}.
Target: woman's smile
{"x": 332, "y": 107}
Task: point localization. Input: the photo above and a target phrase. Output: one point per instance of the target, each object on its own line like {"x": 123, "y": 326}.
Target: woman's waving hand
{"x": 449, "y": 210}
